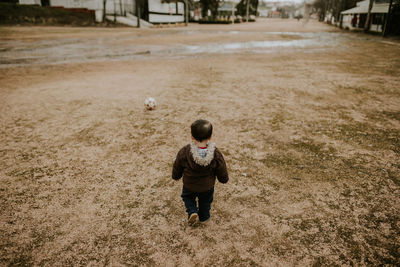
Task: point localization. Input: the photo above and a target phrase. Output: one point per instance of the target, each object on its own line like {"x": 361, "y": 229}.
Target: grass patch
{"x": 364, "y": 135}
{"x": 277, "y": 120}
{"x": 37, "y": 172}
{"x": 306, "y": 158}
{"x": 363, "y": 91}
{"x": 384, "y": 115}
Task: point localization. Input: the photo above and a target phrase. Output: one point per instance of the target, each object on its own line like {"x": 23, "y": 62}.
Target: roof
{"x": 380, "y": 8}
{"x": 362, "y": 8}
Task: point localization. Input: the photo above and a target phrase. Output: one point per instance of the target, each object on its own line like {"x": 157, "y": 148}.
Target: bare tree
{"x": 332, "y": 6}
{"x": 247, "y": 8}
{"x": 211, "y": 5}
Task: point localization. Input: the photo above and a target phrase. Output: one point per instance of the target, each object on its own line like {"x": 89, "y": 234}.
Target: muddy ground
{"x": 307, "y": 117}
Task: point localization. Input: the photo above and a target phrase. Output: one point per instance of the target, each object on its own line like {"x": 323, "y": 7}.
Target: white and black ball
{"x": 150, "y": 103}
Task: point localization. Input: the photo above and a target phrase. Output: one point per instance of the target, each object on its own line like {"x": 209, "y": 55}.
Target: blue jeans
{"x": 204, "y": 199}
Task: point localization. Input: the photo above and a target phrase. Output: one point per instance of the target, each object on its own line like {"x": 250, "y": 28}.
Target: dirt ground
{"x": 307, "y": 117}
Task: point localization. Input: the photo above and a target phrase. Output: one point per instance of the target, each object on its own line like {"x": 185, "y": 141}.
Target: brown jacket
{"x": 199, "y": 173}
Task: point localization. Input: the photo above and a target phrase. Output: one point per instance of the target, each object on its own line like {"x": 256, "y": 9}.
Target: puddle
{"x": 281, "y": 41}
{"x": 72, "y": 50}
{"x": 228, "y": 47}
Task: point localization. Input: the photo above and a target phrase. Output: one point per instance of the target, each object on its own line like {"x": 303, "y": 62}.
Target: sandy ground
{"x": 310, "y": 132}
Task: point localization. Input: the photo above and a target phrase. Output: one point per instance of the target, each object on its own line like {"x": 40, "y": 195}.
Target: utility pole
{"x": 342, "y": 7}
{"x": 247, "y": 11}
{"x": 387, "y": 18}
{"x": 367, "y": 25}
{"x": 138, "y": 15}
{"x": 104, "y": 10}
{"x": 186, "y": 13}
{"x": 115, "y": 11}
{"x": 233, "y": 12}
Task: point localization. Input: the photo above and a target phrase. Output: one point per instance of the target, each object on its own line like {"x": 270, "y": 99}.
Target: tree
{"x": 322, "y": 7}
{"x": 211, "y": 5}
{"x": 393, "y": 24}
{"x": 332, "y": 6}
{"x": 242, "y": 7}
{"x": 368, "y": 20}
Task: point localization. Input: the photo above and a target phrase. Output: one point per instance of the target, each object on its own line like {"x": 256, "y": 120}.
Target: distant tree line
{"x": 333, "y": 6}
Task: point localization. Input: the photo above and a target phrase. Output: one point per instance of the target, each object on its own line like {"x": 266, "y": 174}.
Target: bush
{"x": 215, "y": 21}
{"x": 29, "y": 14}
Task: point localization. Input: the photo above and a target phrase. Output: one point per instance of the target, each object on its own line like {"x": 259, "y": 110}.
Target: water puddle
{"x": 59, "y": 51}
{"x": 229, "y": 47}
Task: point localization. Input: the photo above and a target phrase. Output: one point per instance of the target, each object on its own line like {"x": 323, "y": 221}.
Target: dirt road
{"x": 308, "y": 119}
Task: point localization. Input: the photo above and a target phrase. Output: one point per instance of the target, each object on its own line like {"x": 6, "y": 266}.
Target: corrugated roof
{"x": 380, "y": 8}
{"x": 356, "y": 10}
{"x": 362, "y": 8}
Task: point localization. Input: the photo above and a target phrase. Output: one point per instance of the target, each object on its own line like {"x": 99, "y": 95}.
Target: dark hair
{"x": 201, "y": 130}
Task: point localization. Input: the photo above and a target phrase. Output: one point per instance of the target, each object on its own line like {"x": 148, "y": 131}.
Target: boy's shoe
{"x": 193, "y": 218}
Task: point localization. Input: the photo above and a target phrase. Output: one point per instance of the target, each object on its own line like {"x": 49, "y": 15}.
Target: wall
{"x": 29, "y": 2}
{"x": 89, "y": 4}
{"x": 158, "y": 12}
{"x": 165, "y": 12}
{"x": 155, "y": 18}
{"x": 127, "y": 6}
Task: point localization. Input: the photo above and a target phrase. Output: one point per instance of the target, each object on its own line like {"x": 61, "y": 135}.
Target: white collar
{"x": 207, "y": 159}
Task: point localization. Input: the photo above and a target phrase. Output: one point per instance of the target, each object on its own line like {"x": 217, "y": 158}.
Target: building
{"x": 124, "y": 11}
{"x": 262, "y": 12}
{"x": 274, "y": 14}
{"x": 227, "y": 10}
{"x": 355, "y": 17}
{"x": 161, "y": 12}
{"x": 280, "y": 9}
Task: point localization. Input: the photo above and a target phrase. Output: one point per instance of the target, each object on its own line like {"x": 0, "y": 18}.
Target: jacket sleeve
{"x": 177, "y": 169}
{"x": 222, "y": 171}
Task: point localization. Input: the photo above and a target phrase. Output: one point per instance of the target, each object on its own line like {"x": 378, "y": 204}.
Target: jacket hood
{"x": 200, "y": 160}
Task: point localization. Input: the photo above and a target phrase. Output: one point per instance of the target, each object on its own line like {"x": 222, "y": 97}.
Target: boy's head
{"x": 201, "y": 130}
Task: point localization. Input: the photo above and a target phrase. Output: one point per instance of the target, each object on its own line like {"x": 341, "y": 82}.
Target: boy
{"x": 199, "y": 163}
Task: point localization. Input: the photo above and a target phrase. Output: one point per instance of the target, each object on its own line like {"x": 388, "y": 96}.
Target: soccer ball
{"x": 150, "y": 103}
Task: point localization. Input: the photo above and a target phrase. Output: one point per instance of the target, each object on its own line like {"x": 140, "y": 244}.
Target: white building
{"x": 355, "y": 17}
{"x": 161, "y": 12}
{"x": 153, "y": 11}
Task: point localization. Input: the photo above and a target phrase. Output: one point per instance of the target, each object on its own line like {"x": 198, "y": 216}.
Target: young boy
{"x": 199, "y": 163}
